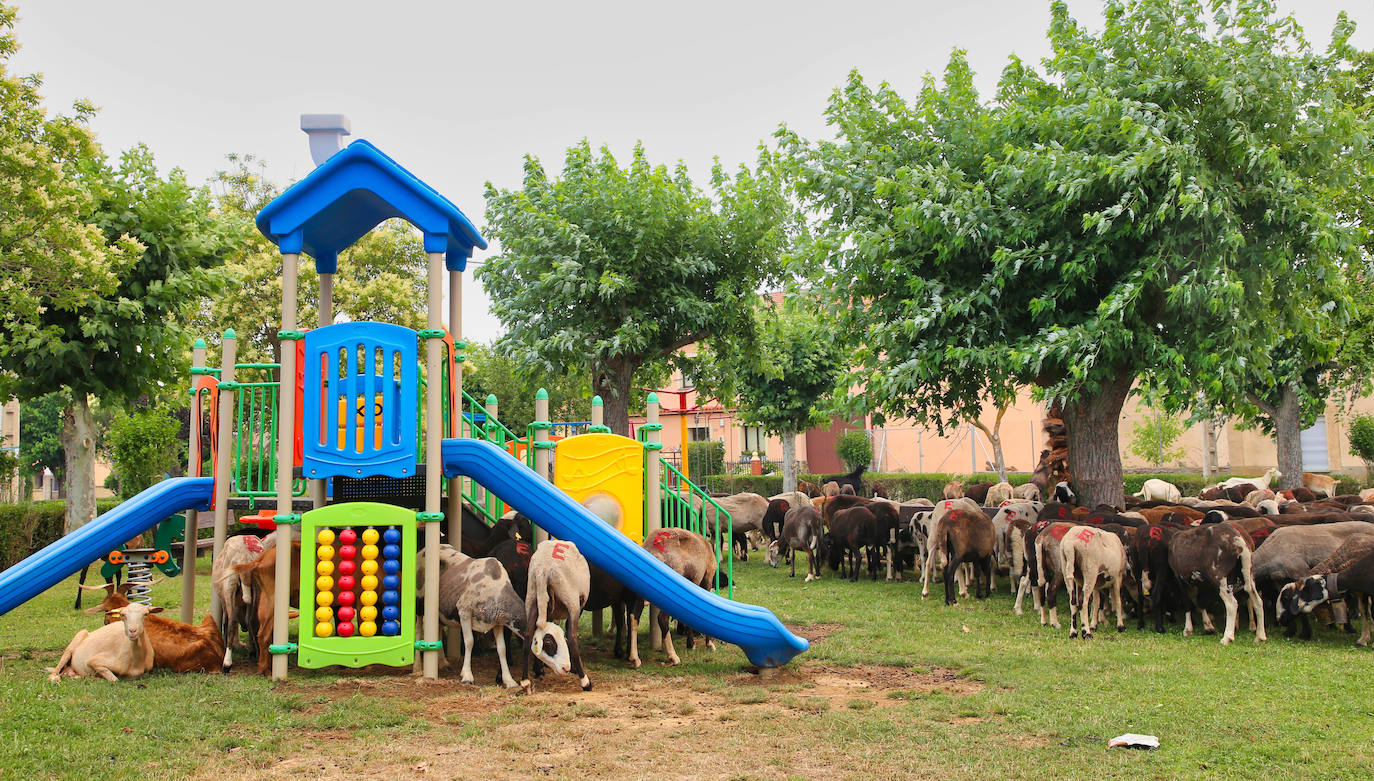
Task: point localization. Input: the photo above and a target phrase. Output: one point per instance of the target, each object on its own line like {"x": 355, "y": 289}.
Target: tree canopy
{"x": 605, "y": 268}
{"x": 1135, "y": 206}
{"x": 493, "y": 372}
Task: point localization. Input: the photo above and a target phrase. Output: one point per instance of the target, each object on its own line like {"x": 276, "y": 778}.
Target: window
{"x": 753, "y": 439}
{"x": 685, "y": 380}
{"x": 699, "y": 434}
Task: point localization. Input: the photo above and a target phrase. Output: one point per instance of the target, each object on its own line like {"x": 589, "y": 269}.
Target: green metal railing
{"x": 687, "y": 506}
{"x": 488, "y": 429}
{"x": 254, "y": 462}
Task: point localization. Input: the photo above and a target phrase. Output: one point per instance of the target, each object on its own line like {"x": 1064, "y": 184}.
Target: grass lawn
{"x": 893, "y": 687}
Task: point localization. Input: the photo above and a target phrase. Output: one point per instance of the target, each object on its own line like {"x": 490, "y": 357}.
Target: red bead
{"x": 345, "y": 629}
{"x": 348, "y": 537}
{"x": 346, "y": 583}
{"x": 346, "y": 597}
{"x": 345, "y": 614}
{"x": 347, "y": 552}
{"x": 347, "y": 567}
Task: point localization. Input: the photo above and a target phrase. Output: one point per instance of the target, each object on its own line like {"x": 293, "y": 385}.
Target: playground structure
{"x": 340, "y": 443}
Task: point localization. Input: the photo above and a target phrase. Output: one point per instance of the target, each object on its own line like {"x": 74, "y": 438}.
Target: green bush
{"x": 27, "y": 527}
{"x": 143, "y": 445}
{"x": 854, "y": 448}
{"x": 1362, "y": 440}
{"x": 706, "y": 457}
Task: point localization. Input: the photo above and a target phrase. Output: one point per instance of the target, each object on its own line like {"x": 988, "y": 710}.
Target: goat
{"x": 181, "y": 648}
{"x": 235, "y": 591}
{"x": 1216, "y": 554}
{"x": 953, "y": 490}
{"x": 962, "y": 536}
{"x": 1290, "y": 554}
{"x": 851, "y": 530}
{"x": 802, "y": 530}
{"x": 1155, "y": 489}
{"x": 261, "y": 573}
{"x": 1063, "y": 492}
{"x": 1027, "y": 491}
{"x": 118, "y": 650}
{"x": 855, "y": 479}
{"x": 1319, "y": 484}
{"x": 999, "y": 494}
{"x": 1260, "y": 482}
{"x": 1349, "y": 568}
{"x": 560, "y": 583}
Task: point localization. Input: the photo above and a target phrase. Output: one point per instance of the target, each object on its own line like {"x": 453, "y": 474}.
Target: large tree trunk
{"x": 789, "y": 461}
{"x": 1094, "y": 451}
{"x": 1288, "y": 438}
{"x": 613, "y": 386}
{"x": 78, "y": 440}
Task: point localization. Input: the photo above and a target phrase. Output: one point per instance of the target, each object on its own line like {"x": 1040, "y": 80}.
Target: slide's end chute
{"x": 763, "y": 637}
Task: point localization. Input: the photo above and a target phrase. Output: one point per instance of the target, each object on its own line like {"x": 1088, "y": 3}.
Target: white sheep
{"x": 114, "y": 651}
{"x": 559, "y": 585}
{"x": 476, "y": 594}
{"x": 1155, "y": 489}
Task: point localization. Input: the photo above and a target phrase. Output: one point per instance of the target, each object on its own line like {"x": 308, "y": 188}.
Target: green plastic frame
{"x": 357, "y": 651}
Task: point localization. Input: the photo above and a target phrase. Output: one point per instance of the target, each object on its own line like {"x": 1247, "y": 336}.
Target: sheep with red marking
{"x": 1094, "y": 560}
{"x": 559, "y": 585}
{"x": 962, "y": 537}
{"x": 689, "y": 555}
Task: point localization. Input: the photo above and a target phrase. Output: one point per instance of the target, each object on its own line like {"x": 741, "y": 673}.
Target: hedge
{"x": 902, "y": 486}
{"x": 31, "y": 526}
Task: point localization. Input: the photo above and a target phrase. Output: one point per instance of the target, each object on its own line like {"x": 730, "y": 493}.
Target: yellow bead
{"x": 367, "y": 629}
{"x": 325, "y": 537}
{"x": 367, "y": 613}
{"x": 325, "y": 553}
{"x": 324, "y": 568}
{"x": 369, "y": 567}
{"x": 368, "y": 598}
{"x": 369, "y": 582}
{"x": 324, "y": 629}
{"x": 324, "y": 614}
{"x": 370, "y": 551}
{"x": 370, "y": 537}
{"x": 324, "y": 599}
{"x": 324, "y": 583}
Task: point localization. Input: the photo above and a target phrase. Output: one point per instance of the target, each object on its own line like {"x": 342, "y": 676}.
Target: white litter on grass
{"x": 1132, "y": 740}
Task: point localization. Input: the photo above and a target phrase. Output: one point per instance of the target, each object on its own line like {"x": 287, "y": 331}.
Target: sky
{"x": 460, "y": 92}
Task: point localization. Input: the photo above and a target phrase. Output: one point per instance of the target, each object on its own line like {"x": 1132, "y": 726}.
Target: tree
{"x": 495, "y": 372}
{"x": 1130, "y": 210}
{"x": 382, "y": 277}
{"x": 781, "y": 382}
{"x": 1362, "y": 442}
{"x": 854, "y": 449}
{"x": 1153, "y": 439}
{"x": 144, "y": 444}
{"x": 40, "y": 435}
{"x": 607, "y": 269}
{"x": 49, "y": 255}
{"x": 133, "y": 340}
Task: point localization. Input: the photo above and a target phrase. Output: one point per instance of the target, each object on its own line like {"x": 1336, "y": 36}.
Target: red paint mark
{"x": 1156, "y": 533}
{"x": 253, "y": 544}
{"x": 1040, "y": 525}
{"x": 956, "y": 515}
{"x": 948, "y": 503}
{"x": 1061, "y": 512}
{"x": 1057, "y": 533}
{"x": 660, "y": 541}
{"x": 523, "y": 548}
{"x": 1086, "y": 535}
{"x": 559, "y": 548}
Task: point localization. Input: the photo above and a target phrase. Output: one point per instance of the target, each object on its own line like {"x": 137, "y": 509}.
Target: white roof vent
{"x": 326, "y": 133}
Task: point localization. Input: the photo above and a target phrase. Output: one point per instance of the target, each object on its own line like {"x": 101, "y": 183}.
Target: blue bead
{"x": 391, "y": 566}
{"x": 390, "y": 597}
{"x": 391, "y": 581}
{"x": 391, "y": 536}
{"x": 391, "y": 628}
{"x": 391, "y": 552}
{"x": 391, "y": 613}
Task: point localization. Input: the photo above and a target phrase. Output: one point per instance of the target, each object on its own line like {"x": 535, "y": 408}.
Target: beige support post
{"x": 455, "y": 403}
{"x": 653, "y": 498}
{"x": 434, "y": 421}
{"x": 541, "y": 452}
{"x": 598, "y": 419}
{"x": 286, "y": 432}
{"x": 188, "y": 545}
{"x": 224, "y": 445}
{"x": 326, "y": 310}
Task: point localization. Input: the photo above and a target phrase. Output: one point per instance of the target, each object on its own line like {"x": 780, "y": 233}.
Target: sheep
{"x": 1155, "y": 489}
{"x": 475, "y": 593}
{"x": 118, "y": 650}
{"x": 1028, "y": 491}
{"x": 802, "y": 530}
{"x": 178, "y": 647}
{"x": 831, "y": 488}
{"x": 746, "y": 514}
{"x": 1319, "y": 484}
{"x": 1291, "y": 552}
{"x": 235, "y": 591}
{"x": 961, "y": 536}
{"x": 1090, "y": 553}
{"x": 1063, "y": 492}
{"x": 999, "y": 494}
{"x": 689, "y": 555}
{"x": 953, "y": 490}
{"x": 559, "y": 585}
{"x": 261, "y": 573}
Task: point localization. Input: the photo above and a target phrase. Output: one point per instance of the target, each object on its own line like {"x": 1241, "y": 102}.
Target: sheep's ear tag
{"x": 113, "y": 614}
{"x": 518, "y": 537}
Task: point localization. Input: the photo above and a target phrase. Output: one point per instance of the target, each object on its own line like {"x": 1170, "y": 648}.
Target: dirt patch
{"x": 816, "y": 632}
{"x": 627, "y": 721}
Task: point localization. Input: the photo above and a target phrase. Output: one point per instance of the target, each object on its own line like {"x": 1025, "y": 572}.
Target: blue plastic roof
{"x": 349, "y": 195}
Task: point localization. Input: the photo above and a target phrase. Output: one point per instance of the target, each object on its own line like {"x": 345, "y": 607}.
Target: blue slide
{"x": 764, "y": 639}
{"x": 107, "y": 531}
